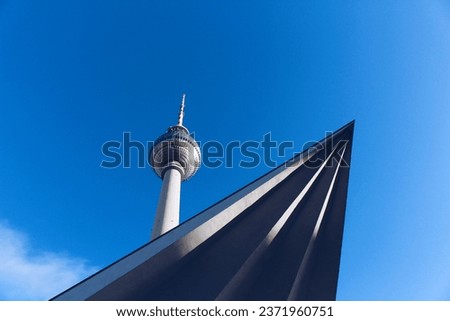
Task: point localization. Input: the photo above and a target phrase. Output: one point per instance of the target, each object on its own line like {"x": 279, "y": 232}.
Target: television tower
{"x": 175, "y": 157}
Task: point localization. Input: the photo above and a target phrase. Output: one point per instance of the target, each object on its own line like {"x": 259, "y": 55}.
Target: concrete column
{"x": 168, "y": 211}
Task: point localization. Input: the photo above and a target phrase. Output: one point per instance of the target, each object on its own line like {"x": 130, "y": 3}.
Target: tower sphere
{"x": 175, "y": 149}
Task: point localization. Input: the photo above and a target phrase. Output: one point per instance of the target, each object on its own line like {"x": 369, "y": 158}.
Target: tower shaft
{"x": 167, "y": 212}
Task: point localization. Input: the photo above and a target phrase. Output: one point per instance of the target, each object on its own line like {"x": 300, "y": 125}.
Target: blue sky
{"x": 74, "y": 75}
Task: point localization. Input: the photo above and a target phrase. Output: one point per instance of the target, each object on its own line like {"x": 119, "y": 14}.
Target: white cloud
{"x": 25, "y": 275}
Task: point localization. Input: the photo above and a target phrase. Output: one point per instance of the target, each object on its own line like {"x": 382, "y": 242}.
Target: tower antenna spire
{"x": 181, "y": 113}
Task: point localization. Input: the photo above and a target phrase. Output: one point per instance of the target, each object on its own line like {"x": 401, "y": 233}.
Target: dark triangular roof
{"x": 278, "y": 238}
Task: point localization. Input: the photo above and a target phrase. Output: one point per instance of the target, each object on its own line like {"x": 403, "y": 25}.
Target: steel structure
{"x": 278, "y": 238}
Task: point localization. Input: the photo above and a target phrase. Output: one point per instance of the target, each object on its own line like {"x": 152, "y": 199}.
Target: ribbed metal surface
{"x": 279, "y": 238}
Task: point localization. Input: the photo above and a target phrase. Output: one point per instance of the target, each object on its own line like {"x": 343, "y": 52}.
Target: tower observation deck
{"x": 175, "y": 157}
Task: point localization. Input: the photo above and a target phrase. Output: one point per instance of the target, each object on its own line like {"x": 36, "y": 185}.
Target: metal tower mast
{"x": 175, "y": 157}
